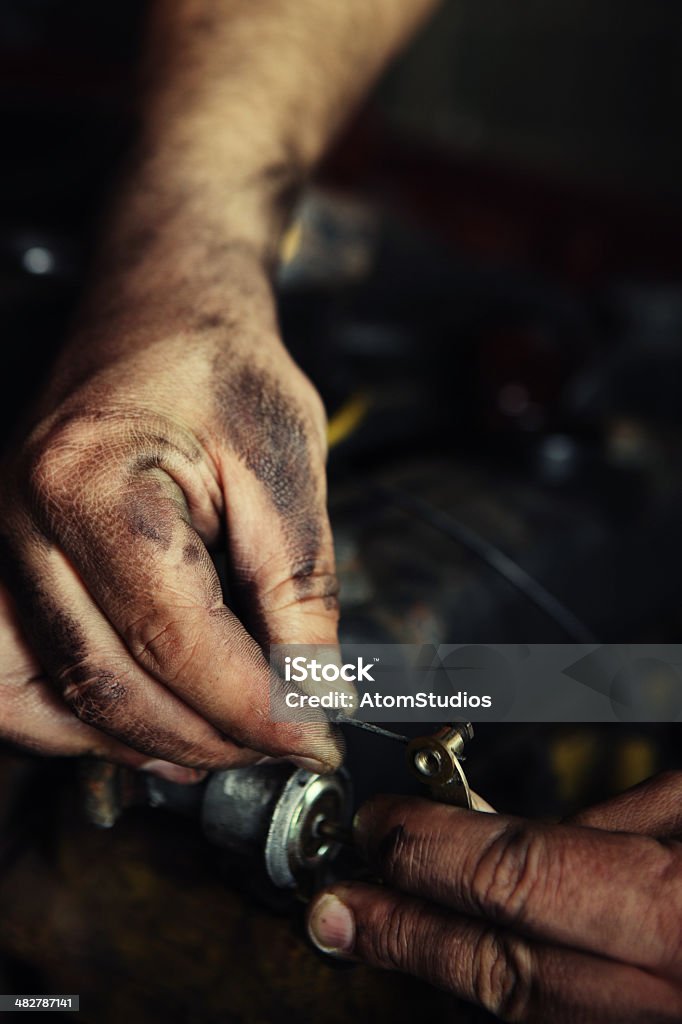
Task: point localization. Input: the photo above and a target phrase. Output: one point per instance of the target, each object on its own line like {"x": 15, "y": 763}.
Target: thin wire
{"x": 340, "y": 719}
{"x": 502, "y": 564}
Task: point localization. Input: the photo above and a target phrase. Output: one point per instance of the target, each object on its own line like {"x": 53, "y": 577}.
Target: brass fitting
{"x": 435, "y": 761}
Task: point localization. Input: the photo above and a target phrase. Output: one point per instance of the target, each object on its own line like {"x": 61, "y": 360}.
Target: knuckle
{"x": 502, "y": 975}
{"x": 309, "y": 580}
{"x": 42, "y": 475}
{"x": 314, "y": 574}
{"x": 391, "y": 938}
{"x": 509, "y": 872}
{"x": 403, "y": 854}
{"x": 56, "y": 460}
{"x": 161, "y": 643}
{"x": 96, "y": 696}
{"x": 67, "y": 437}
{"x": 316, "y": 583}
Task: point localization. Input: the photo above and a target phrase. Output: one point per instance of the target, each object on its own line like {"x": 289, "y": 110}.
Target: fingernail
{"x": 173, "y": 772}
{"x": 331, "y": 926}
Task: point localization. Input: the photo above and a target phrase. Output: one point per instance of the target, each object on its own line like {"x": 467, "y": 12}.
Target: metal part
{"x": 337, "y": 833}
{"x": 340, "y": 719}
{"x": 277, "y": 819}
{"x": 294, "y": 843}
{"x": 435, "y": 761}
{"x": 107, "y": 790}
{"x": 281, "y": 821}
{"x": 270, "y": 815}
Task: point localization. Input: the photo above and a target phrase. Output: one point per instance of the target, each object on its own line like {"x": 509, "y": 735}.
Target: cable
{"x": 495, "y": 559}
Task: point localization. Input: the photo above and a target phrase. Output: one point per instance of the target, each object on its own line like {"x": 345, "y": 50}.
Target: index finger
{"x": 613, "y": 894}
{"x": 652, "y": 808}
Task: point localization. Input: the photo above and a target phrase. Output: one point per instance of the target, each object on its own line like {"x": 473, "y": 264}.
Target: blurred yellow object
{"x": 347, "y": 419}
{"x": 573, "y": 757}
{"x": 291, "y": 242}
{"x": 636, "y": 761}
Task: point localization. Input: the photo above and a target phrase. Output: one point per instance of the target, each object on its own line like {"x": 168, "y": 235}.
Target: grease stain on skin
{"x": 142, "y": 526}
{"x": 147, "y": 462}
{"x": 330, "y": 595}
{"x": 269, "y": 436}
{"x": 151, "y": 519}
{"x": 95, "y": 698}
{"x": 310, "y": 582}
{"x": 62, "y": 633}
{"x": 304, "y": 574}
{"x": 192, "y": 552}
{"x": 56, "y": 633}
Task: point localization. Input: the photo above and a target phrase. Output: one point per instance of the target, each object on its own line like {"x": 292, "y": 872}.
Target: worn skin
{"x": 176, "y": 422}
{"x": 117, "y": 496}
{"x": 570, "y": 923}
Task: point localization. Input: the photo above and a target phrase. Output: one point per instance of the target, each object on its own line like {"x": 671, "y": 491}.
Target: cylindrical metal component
{"x": 272, "y": 815}
{"x": 238, "y": 805}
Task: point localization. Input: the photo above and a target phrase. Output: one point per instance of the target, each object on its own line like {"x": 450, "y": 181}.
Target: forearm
{"x": 240, "y": 100}
{"x": 176, "y": 420}
{"x": 252, "y": 91}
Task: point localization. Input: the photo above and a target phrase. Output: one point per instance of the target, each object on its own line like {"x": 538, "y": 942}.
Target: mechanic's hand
{"x": 560, "y": 923}
{"x": 154, "y": 444}
{"x": 35, "y": 717}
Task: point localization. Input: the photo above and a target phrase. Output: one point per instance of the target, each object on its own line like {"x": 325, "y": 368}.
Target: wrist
{"x": 172, "y": 308}
{"x": 190, "y": 202}
{"x": 179, "y": 242}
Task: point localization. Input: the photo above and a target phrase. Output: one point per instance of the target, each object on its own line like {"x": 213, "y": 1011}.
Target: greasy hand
{"x": 175, "y": 427}
{"x": 564, "y": 923}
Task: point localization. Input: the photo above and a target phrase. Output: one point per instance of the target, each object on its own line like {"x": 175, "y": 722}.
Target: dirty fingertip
{"x": 331, "y": 925}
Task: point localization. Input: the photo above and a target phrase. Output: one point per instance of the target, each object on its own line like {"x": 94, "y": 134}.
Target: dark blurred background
{"x": 485, "y": 283}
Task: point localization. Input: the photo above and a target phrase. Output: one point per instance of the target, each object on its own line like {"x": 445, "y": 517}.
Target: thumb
{"x": 281, "y": 551}
{"x": 283, "y": 585}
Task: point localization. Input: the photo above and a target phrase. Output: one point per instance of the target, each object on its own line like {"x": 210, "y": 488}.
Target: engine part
{"x": 284, "y": 823}
{"x": 277, "y": 814}
{"x": 436, "y": 761}
{"x": 280, "y": 821}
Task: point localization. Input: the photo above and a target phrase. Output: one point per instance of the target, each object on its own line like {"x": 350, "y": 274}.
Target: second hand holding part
{"x": 435, "y": 760}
